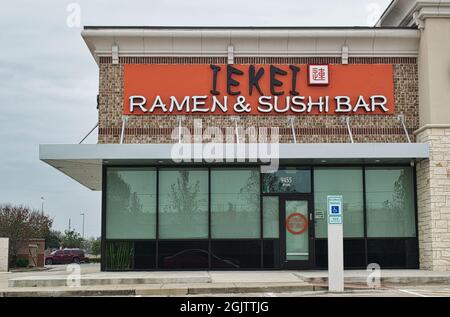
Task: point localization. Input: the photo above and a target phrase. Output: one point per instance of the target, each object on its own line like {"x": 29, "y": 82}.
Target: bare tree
{"x": 184, "y": 195}
{"x": 19, "y": 224}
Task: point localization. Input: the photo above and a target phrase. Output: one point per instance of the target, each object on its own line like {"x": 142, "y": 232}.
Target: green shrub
{"x": 22, "y": 262}
{"x": 95, "y": 260}
{"x": 119, "y": 255}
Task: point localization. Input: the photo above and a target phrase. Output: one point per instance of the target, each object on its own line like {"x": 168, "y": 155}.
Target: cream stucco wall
{"x": 434, "y": 72}
{"x": 433, "y": 200}
{"x": 433, "y": 174}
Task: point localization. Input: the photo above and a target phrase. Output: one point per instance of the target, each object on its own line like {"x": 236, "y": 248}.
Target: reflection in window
{"x": 130, "y": 203}
{"x": 183, "y": 203}
{"x": 339, "y": 181}
{"x": 390, "y": 202}
{"x": 271, "y": 217}
{"x": 235, "y": 203}
{"x": 287, "y": 180}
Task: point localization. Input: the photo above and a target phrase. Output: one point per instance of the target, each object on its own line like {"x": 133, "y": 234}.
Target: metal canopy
{"x": 83, "y": 162}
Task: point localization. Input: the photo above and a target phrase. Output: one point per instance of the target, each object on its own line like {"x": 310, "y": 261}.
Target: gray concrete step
{"x": 55, "y": 281}
{"x": 161, "y": 289}
{"x": 384, "y": 280}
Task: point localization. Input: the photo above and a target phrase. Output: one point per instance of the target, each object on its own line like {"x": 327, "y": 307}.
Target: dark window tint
{"x": 321, "y": 253}
{"x": 235, "y": 254}
{"x": 271, "y": 253}
{"x": 144, "y": 255}
{"x": 393, "y": 253}
{"x": 178, "y": 254}
{"x": 354, "y": 253}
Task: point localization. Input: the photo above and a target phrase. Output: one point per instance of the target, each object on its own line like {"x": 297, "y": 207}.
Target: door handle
{"x": 310, "y": 217}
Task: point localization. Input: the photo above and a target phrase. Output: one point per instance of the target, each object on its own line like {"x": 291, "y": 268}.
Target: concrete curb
{"x": 62, "y": 281}
{"x": 162, "y": 290}
{"x": 407, "y": 280}
{"x": 254, "y": 289}
{"x": 67, "y": 293}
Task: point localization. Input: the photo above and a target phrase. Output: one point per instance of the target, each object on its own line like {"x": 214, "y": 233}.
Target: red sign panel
{"x": 296, "y": 223}
{"x": 183, "y": 89}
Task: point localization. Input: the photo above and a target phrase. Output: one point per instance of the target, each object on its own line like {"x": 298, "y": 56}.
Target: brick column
{"x": 433, "y": 200}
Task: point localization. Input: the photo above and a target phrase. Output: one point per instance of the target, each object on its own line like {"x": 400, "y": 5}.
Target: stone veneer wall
{"x": 4, "y": 250}
{"x": 433, "y": 200}
{"x": 309, "y": 128}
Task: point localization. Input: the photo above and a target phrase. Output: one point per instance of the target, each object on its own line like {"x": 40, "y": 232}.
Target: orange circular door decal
{"x": 296, "y": 223}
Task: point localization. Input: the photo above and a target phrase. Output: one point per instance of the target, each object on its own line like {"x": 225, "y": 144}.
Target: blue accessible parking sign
{"x": 335, "y": 210}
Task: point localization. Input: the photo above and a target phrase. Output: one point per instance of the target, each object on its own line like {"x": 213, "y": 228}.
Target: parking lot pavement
{"x": 427, "y": 291}
{"x": 86, "y": 268}
{"x": 92, "y": 271}
{"x": 419, "y": 291}
{"x": 57, "y": 269}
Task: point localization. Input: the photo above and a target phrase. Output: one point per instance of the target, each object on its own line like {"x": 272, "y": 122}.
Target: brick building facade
{"x": 310, "y": 129}
{"x": 390, "y": 169}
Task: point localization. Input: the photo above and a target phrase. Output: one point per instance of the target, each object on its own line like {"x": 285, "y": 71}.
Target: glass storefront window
{"x": 235, "y": 203}
{"x": 287, "y": 180}
{"x": 183, "y": 203}
{"x": 271, "y": 217}
{"x": 390, "y": 202}
{"x": 131, "y": 203}
{"x": 297, "y": 245}
{"x": 339, "y": 181}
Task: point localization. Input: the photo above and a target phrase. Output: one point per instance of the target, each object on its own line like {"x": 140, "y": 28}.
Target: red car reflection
{"x": 65, "y": 256}
{"x": 198, "y": 258}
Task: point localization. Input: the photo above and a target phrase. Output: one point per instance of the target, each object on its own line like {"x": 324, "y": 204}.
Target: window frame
{"x": 211, "y": 169}
{"x": 105, "y": 199}
{"x": 286, "y": 167}
{"x": 311, "y": 167}
{"x": 361, "y": 169}
{"x": 208, "y": 197}
{"x": 414, "y": 203}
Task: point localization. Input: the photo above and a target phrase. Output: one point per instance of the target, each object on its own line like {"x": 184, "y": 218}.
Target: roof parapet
{"x": 279, "y": 42}
{"x": 412, "y": 13}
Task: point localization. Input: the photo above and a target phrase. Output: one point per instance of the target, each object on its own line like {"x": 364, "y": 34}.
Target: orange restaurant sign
{"x": 197, "y": 89}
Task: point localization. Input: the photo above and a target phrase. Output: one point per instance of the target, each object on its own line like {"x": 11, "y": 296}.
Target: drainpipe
{"x": 291, "y": 122}
{"x": 347, "y": 122}
{"x": 122, "y": 133}
{"x": 401, "y": 118}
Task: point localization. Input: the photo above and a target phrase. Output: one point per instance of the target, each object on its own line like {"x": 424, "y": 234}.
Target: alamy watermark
{"x": 227, "y": 145}
{"x": 73, "y": 19}
{"x": 374, "y": 278}
{"x": 74, "y": 277}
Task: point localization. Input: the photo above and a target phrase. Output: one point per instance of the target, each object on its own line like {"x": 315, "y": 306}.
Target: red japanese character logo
{"x": 318, "y": 75}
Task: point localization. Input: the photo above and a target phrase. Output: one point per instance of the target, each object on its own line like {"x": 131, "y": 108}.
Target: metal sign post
{"x": 335, "y": 244}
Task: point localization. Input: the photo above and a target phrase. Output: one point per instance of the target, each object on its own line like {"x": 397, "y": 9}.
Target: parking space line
{"x": 412, "y": 293}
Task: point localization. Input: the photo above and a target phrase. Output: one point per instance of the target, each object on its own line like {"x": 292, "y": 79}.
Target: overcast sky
{"x": 49, "y": 81}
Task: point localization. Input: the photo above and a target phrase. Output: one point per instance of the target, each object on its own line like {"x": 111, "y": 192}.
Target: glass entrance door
{"x": 296, "y": 234}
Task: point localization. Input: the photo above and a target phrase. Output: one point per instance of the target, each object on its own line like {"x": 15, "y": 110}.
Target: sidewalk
{"x": 180, "y": 283}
